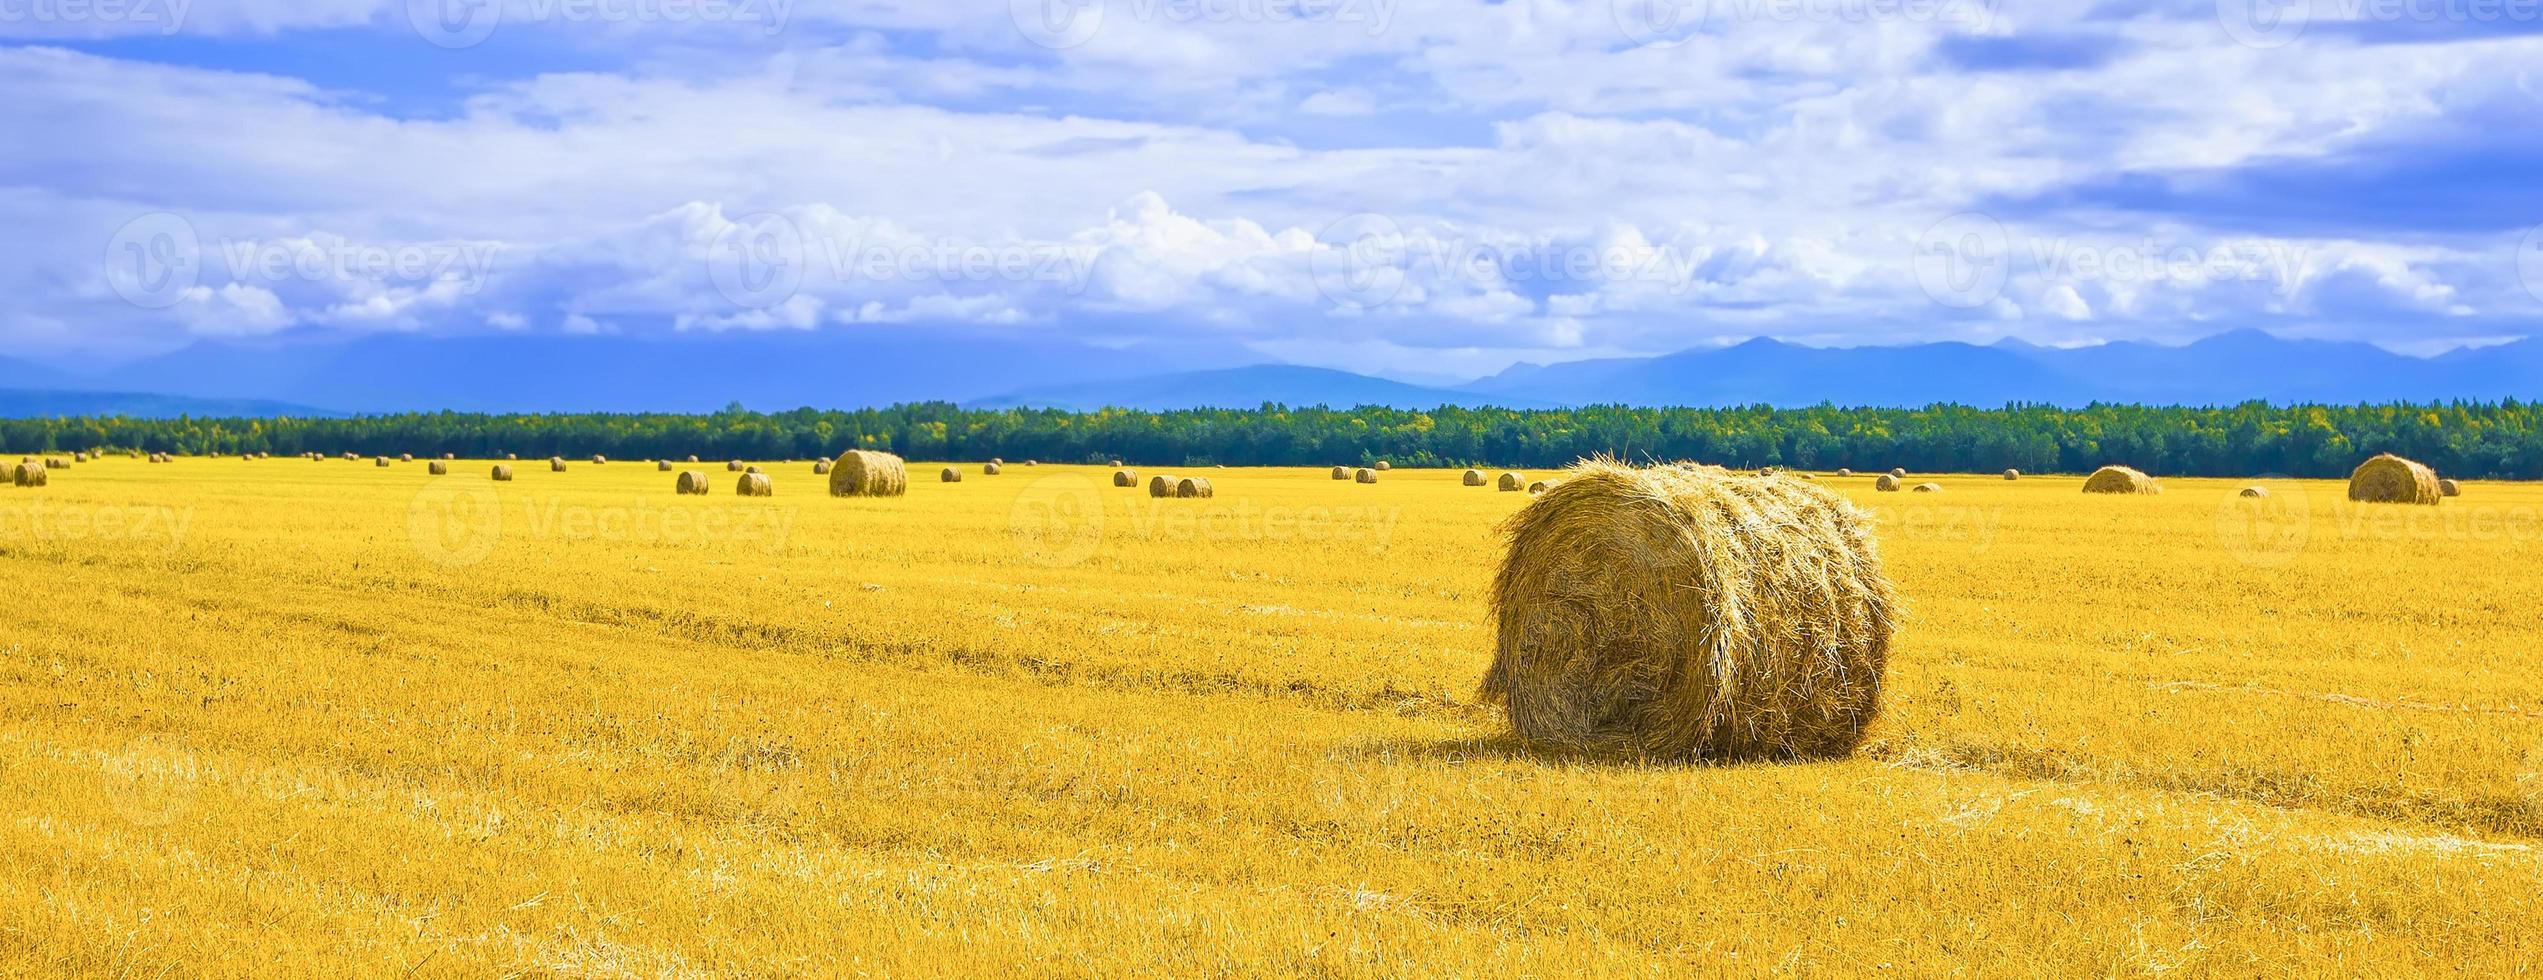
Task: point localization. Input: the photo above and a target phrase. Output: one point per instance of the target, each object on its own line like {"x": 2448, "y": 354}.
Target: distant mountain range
{"x": 876, "y": 367}
{"x": 19, "y": 404}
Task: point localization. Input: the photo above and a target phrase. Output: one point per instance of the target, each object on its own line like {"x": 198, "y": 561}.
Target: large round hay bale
{"x": 2255, "y": 492}
{"x": 29, "y": 475}
{"x": 1888, "y": 483}
{"x": 865, "y": 473}
{"x": 437, "y": 468}
{"x": 1341, "y": 472}
{"x": 556, "y": 464}
{"x": 502, "y": 473}
{"x": 1673, "y": 614}
{"x": 1512, "y": 482}
{"x": 2012, "y": 474}
{"x": 1125, "y": 478}
{"x": 1927, "y": 488}
{"x": 662, "y": 466}
{"x": 1472, "y": 478}
{"x": 1364, "y": 475}
{"x": 690, "y": 483}
{"x": 2120, "y": 479}
{"x": 755, "y": 485}
{"x": 949, "y": 475}
{"x": 1161, "y": 485}
{"x": 2449, "y": 488}
{"x": 1382, "y": 466}
{"x": 2390, "y": 479}
{"x": 992, "y": 468}
{"x": 1192, "y": 486}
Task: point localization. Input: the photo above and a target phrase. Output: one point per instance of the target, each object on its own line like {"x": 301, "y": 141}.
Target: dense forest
{"x": 2465, "y": 439}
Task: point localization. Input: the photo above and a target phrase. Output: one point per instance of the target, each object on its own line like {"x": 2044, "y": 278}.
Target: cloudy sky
{"x": 1422, "y": 188}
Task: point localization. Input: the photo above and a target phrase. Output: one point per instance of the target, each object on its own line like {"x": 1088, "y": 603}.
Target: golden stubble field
{"x": 294, "y": 718}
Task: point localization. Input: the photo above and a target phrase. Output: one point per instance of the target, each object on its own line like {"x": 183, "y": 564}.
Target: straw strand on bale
{"x": 865, "y": 473}
{"x": 1673, "y": 614}
{"x": 2390, "y": 479}
{"x": 2120, "y": 479}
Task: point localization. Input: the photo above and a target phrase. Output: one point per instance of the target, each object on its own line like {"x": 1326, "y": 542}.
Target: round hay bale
{"x": 2012, "y": 474}
{"x": 820, "y": 467}
{"x": 1341, "y": 472}
{"x": 1192, "y": 486}
{"x": 29, "y": 475}
{"x": 406, "y": 457}
{"x": 2120, "y": 479}
{"x": 502, "y": 473}
{"x": 1364, "y": 475}
{"x": 1383, "y": 466}
{"x": 750, "y": 469}
{"x": 1472, "y": 478}
{"x": 512, "y": 457}
{"x": 1125, "y": 478}
{"x": 2390, "y": 479}
{"x": 1765, "y": 471}
{"x": 732, "y": 466}
{"x": 997, "y": 461}
{"x": 1842, "y": 471}
{"x": 1512, "y": 482}
{"x": 598, "y": 459}
{"x": 1888, "y": 483}
{"x": 379, "y": 461}
{"x": 2254, "y": 492}
{"x": 1032, "y": 462}
{"x": 693, "y": 457}
{"x": 1161, "y": 485}
{"x": 437, "y": 468}
{"x": 662, "y": 466}
{"x": 1676, "y": 614}
{"x": 1114, "y": 463}
{"x": 993, "y": 468}
{"x": 1542, "y": 486}
{"x": 949, "y": 475}
{"x": 865, "y": 473}
{"x": 2449, "y": 488}
{"x": 79, "y": 457}
{"x": 1899, "y": 472}
{"x": 755, "y": 485}
{"x": 1928, "y": 488}
{"x": 690, "y": 483}
{"x": 450, "y": 456}
{"x": 56, "y": 463}
{"x": 556, "y": 464}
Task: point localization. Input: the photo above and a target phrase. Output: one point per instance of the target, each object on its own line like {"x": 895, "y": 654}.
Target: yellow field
{"x": 285, "y": 717}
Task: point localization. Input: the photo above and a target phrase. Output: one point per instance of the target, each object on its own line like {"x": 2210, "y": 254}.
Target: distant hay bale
{"x": 556, "y": 464}
{"x": 2255, "y": 491}
{"x": 690, "y": 483}
{"x": 598, "y": 459}
{"x": 997, "y": 461}
{"x": 28, "y": 475}
{"x": 80, "y": 457}
{"x": 1161, "y": 485}
{"x": 379, "y": 461}
{"x": 992, "y": 468}
{"x": 750, "y": 469}
{"x": 693, "y": 457}
{"x": 2120, "y": 479}
{"x": 1114, "y": 463}
{"x": 949, "y": 475}
{"x": 1512, "y": 482}
{"x": 1341, "y": 472}
{"x": 1690, "y": 614}
{"x": 1192, "y": 486}
{"x": 1842, "y": 471}
{"x": 1032, "y": 462}
{"x": 1928, "y": 488}
{"x": 1125, "y": 478}
{"x": 1472, "y": 478}
{"x": 2390, "y": 479}
{"x": 512, "y": 456}
{"x": 1765, "y": 471}
{"x": 662, "y": 466}
{"x": 1899, "y": 472}
{"x": 820, "y": 467}
{"x": 2012, "y": 474}
{"x": 406, "y": 457}
{"x": 1888, "y": 483}
{"x": 866, "y": 473}
{"x": 1542, "y": 486}
{"x": 758, "y": 485}
{"x": 732, "y": 466}
{"x": 437, "y": 468}
{"x": 1364, "y": 475}
{"x": 56, "y": 463}
{"x": 2449, "y": 488}
{"x": 1383, "y": 466}
{"x": 502, "y": 473}
{"x": 450, "y": 456}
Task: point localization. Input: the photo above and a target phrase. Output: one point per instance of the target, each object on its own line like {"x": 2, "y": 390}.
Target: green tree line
{"x": 2497, "y": 440}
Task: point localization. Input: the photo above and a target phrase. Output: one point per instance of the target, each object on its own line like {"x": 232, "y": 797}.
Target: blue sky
{"x": 1413, "y": 187}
